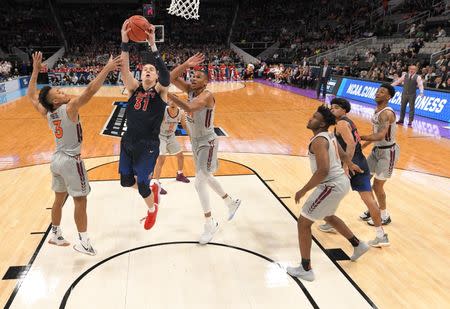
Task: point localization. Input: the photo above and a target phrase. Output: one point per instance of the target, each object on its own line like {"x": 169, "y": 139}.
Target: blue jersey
{"x": 359, "y": 182}
{"x": 358, "y": 156}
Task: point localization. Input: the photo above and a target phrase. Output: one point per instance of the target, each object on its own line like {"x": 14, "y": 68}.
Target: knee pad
{"x": 144, "y": 189}
{"x": 127, "y": 180}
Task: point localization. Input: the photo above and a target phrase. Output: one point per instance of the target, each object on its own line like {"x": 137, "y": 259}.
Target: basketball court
{"x": 263, "y": 162}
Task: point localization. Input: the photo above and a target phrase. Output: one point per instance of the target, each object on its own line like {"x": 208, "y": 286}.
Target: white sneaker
{"x": 359, "y": 250}
{"x": 232, "y": 208}
{"x": 85, "y": 247}
{"x": 208, "y": 233}
{"x": 380, "y": 242}
{"x": 299, "y": 272}
{"x": 58, "y": 241}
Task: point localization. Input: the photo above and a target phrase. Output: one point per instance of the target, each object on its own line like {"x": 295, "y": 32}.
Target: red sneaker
{"x": 156, "y": 189}
{"x": 182, "y": 178}
{"x": 151, "y": 218}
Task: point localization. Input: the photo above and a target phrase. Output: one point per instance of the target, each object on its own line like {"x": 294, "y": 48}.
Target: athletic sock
{"x": 380, "y": 231}
{"x": 56, "y": 229}
{"x": 354, "y": 241}
{"x": 306, "y": 264}
{"x": 209, "y": 220}
{"x": 384, "y": 214}
{"x": 180, "y": 172}
{"x": 152, "y": 209}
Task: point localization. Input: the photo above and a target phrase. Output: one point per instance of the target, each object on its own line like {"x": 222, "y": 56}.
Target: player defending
{"x": 385, "y": 152}
{"x": 347, "y": 135}
{"x": 200, "y": 121}
{"x": 69, "y": 176}
{"x": 331, "y": 185}
{"x": 139, "y": 147}
{"x": 169, "y": 144}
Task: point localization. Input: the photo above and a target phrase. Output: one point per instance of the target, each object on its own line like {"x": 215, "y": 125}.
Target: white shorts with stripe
{"x": 69, "y": 175}
{"x": 204, "y": 151}
{"x": 168, "y": 145}
{"x": 325, "y": 199}
{"x": 382, "y": 161}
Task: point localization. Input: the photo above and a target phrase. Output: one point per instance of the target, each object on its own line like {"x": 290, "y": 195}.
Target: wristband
{"x": 125, "y": 47}
{"x": 153, "y": 48}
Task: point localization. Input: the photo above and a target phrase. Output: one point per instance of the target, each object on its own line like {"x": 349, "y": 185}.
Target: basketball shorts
{"x": 325, "y": 199}
{"x": 138, "y": 158}
{"x": 382, "y": 161}
{"x": 168, "y": 145}
{"x": 69, "y": 175}
{"x": 204, "y": 151}
{"x": 361, "y": 182}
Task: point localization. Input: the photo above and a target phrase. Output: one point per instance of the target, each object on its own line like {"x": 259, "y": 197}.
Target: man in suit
{"x": 411, "y": 81}
{"x": 322, "y": 79}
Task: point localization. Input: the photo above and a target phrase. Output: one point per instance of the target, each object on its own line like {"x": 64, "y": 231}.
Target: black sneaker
{"x": 365, "y": 215}
{"x": 383, "y": 222}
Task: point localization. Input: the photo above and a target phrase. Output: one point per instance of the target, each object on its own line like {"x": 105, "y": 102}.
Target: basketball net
{"x": 184, "y": 8}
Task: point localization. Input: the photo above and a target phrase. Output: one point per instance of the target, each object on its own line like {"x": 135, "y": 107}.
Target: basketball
{"x": 138, "y": 25}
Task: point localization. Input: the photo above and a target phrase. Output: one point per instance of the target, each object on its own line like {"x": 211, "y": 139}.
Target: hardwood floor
{"x": 267, "y": 134}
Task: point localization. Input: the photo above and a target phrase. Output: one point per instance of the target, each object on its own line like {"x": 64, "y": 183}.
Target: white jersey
{"x": 389, "y": 138}
{"x": 336, "y": 169}
{"x": 169, "y": 124}
{"x": 68, "y": 134}
{"x": 200, "y": 123}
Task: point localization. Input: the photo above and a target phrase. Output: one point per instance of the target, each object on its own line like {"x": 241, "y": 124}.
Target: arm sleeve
{"x": 164, "y": 75}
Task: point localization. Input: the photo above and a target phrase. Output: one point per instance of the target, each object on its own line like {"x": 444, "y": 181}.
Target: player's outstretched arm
{"x": 32, "y": 87}
{"x": 74, "y": 105}
{"x": 196, "y": 104}
{"x": 175, "y": 74}
{"x": 352, "y": 167}
{"x": 128, "y": 80}
{"x": 163, "y": 72}
{"x": 385, "y": 119}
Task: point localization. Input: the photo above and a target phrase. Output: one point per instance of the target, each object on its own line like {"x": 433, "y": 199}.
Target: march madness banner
{"x": 434, "y": 104}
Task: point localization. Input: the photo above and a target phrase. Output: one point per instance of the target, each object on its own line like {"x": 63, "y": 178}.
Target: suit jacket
{"x": 327, "y": 73}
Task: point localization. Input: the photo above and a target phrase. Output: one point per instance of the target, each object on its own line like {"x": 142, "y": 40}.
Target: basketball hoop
{"x": 184, "y": 8}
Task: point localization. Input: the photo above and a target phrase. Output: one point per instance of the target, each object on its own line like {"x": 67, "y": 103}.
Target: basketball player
{"x": 69, "y": 175}
{"x": 139, "y": 147}
{"x": 331, "y": 185}
{"x": 347, "y": 135}
{"x": 200, "y": 121}
{"x": 169, "y": 144}
{"x": 385, "y": 152}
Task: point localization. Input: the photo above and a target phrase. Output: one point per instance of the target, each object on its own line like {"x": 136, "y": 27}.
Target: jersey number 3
{"x": 58, "y": 128}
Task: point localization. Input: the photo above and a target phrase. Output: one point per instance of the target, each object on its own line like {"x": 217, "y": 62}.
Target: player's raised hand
{"x": 113, "y": 63}
{"x": 195, "y": 60}
{"x": 151, "y": 35}
{"x": 37, "y": 61}
{"x": 124, "y": 31}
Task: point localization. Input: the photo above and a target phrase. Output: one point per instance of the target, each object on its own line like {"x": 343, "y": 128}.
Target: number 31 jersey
{"x": 144, "y": 114}
{"x": 68, "y": 134}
